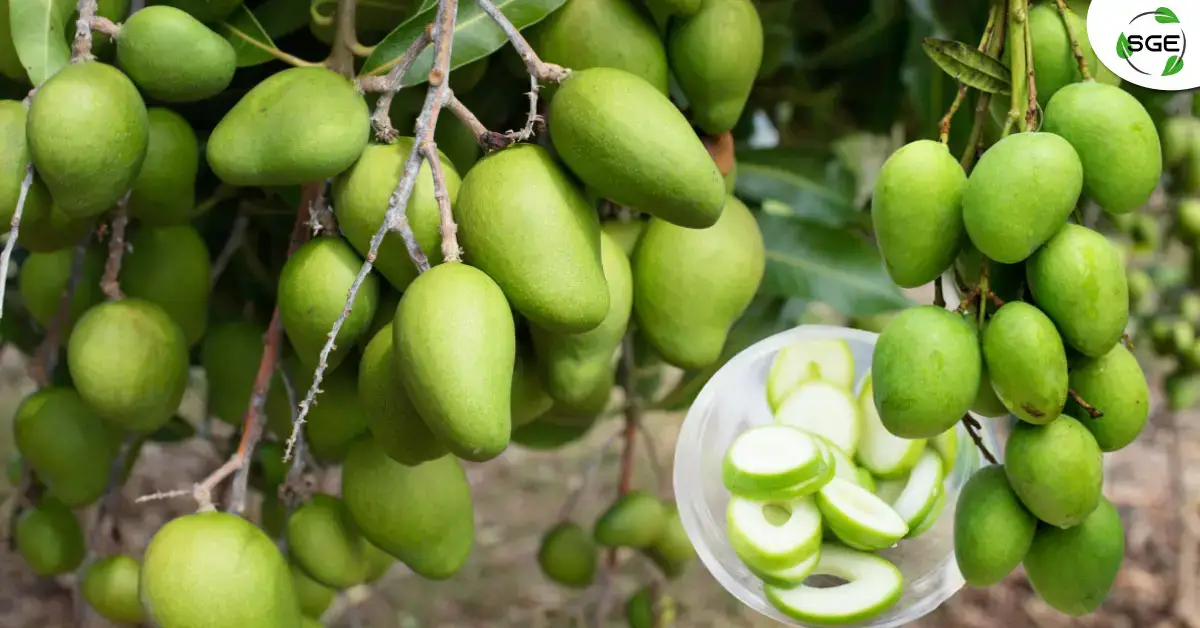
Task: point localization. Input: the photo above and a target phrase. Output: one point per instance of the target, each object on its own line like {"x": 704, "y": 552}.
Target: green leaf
{"x": 475, "y": 37}
{"x": 1163, "y": 15}
{"x": 812, "y": 262}
{"x": 39, "y": 35}
{"x": 815, "y": 187}
{"x": 1174, "y": 65}
{"x": 1123, "y": 49}
{"x": 279, "y": 18}
{"x": 250, "y": 40}
{"x": 968, "y": 65}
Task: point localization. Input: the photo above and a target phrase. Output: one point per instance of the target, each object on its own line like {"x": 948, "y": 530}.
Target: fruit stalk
{"x": 973, "y": 428}
{"x": 1087, "y": 407}
{"x": 1018, "y": 60}
{"x": 488, "y": 140}
{"x": 11, "y": 244}
{"x": 538, "y": 69}
{"x": 341, "y": 55}
{"x": 1031, "y": 111}
{"x": 1076, "y": 49}
{"x": 994, "y": 41}
{"x": 82, "y": 48}
{"x": 381, "y": 120}
{"x": 111, "y": 282}
{"x": 237, "y": 234}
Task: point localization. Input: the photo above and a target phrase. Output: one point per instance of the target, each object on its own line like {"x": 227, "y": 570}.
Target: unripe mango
{"x": 917, "y": 212}
{"x": 14, "y": 152}
{"x": 294, "y": 127}
{"x": 1073, "y": 570}
{"x": 603, "y": 33}
{"x": 624, "y": 138}
{"x": 1056, "y": 469}
{"x": 716, "y": 53}
{"x": 1116, "y": 141}
{"x": 667, "y": 8}
{"x": 455, "y": 345}
{"x": 49, "y": 538}
{"x": 339, "y": 417}
{"x": 635, "y": 520}
{"x": 544, "y": 435}
{"x": 164, "y": 192}
{"x": 625, "y": 234}
{"x": 568, "y": 556}
{"x": 1115, "y": 385}
{"x": 672, "y": 551}
{"x": 324, "y": 540}
{"x": 45, "y": 227}
{"x": 925, "y": 371}
{"x": 391, "y": 417}
{"x": 314, "y": 597}
{"x": 361, "y": 196}
{"x": 87, "y": 156}
{"x": 169, "y": 267}
{"x": 44, "y": 278}
{"x": 520, "y": 196}
{"x": 1078, "y": 280}
{"x": 203, "y": 10}
{"x": 230, "y": 356}
{"x": 1020, "y": 194}
{"x": 1054, "y": 63}
{"x": 529, "y": 397}
{"x": 1026, "y": 362}
{"x": 992, "y": 530}
{"x": 691, "y": 285}
{"x": 66, "y": 443}
{"x": 111, "y": 587}
{"x": 435, "y": 539}
{"x": 173, "y": 57}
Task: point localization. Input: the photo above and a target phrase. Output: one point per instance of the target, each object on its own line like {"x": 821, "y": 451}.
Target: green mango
{"x": 1179, "y": 136}
{"x": 14, "y": 152}
{"x": 10, "y": 64}
{"x": 925, "y": 371}
{"x": 230, "y": 356}
{"x": 164, "y": 192}
{"x": 314, "y": 597}
{"x": 45, "y": 227}
{"x": 992, "y": 530}
{"x": 573, "y": 365}
{"x": 1026, "y": 362}
{"x": 1182, "y": 389}
{"x": 1073, "y": 570}
{"x": 312, "y": 294}
{"x": 339, "y": 417}
{"x": 433, "y": 540}
{"x": 625, "y": 234}
{"x": 636, "y": 519}
{"x": 715, "y": 54}
{"x": 624, "y": 138}
{"x": 169, "y": 267}
{"x": 691, "y": 285}
{"x": 203, "y": 10}
{"x": 1115, "y": 385}
{"x": 297, "y": 126}
{"x": 173, "y": 57}
{"x": 544, "y": 435}
{"x": 1078, "y": 280}
{"x": 1056, "y": 469}
{"x": 49, "y": 538}
{"x": 917, "y": 212}
{"x": 1020, "y": 194}
{"x": 196, "y": 559}
{"x": 324, "y": 541}
{"x": 589, "y": 406}
{"x": 379, "y": 563}
{"x": 455, "y": 346}
{"x": 385, "y": 312}
{"x": 88, "y": 157}
{"x": 391, "y": 417}
{"x": 114, "y": 10}
{"x": 521, "y": 195}
{"x": 986, "y": 402}
{"x": 1054, "y": 64}
{"x": 66, "y": 443}
{"x": 129, "y": 362}
{"x": 603, "y": 33}
{"x": 360, "y": 201}
{"x": 650, "y": 608}
{"x": 568, "y": 556}
{"x": 682, "y": 8}
{"x": 43, "y": 280}
{"x": 672, "y": 551}
{"x": 529, "y": 397}
{"x": 1115, "y": 139}
{"x": 111, "y": 587}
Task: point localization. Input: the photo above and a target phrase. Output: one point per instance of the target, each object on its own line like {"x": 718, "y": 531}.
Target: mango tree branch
{"x": 6, "y": 255}
{"x": 104, "y": 25}
{"x": 488, "y": 140}
{"x": 341, "y": 55}
{"x": 449, "y": 230}
{"x": 995, "y": 43}
{"x": 82, "y": 48}
{"x": 1087, "y": 407}
{"x": 973, "y": 428}
{"x": 539, "y": 69}
{"x": 381, "y": 120}
{"x": 111, "y": 282}
{"x": 531, "y": 121}
{"x": 1076, "y": 48}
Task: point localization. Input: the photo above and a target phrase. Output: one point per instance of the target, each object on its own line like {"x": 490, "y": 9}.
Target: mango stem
{"x": 110, "y": 283}
{"x": 1087, "y": 407}
{"x": 1018, "y": 60}
{"x": 82, "y": 46}
{"x": 1076, "y": 48}
{"x": 973, "y": 428}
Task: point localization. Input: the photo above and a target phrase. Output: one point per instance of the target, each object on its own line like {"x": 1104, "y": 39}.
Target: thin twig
{"x": 488, "y": 140}
{"x": 6, "y": 256}
{"x": 1076, "y": 48}
{"x": 341, "y": 54}
{"x": 236, "y": 235}
{"x": 1018, "y": 60}
{"x": 539, "y": 69}
{"x": 381, "y": 120}
{"x": 1087, "y": 407}
{"x": 111, "y": 282}
{"x": 82, "y": 49}
{"x": 532, "y": 120}
{"x": 294, "y": 489}
{"x": 449, "y": 230}
{"x": 972, "y": 425}
{"x": 995, "y": 298}
{"x": 968, "y": 300}
{"x": 944, "y": 125}
{"x": 101, "y": 24}
{"x": 656, "y": 466}
{"x": 1031, "y": 111}
{"x": 568, "y": 507}
{"x": 43, "y": 368}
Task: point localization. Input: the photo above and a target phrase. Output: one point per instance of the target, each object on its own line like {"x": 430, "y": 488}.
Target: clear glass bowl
{"x": 736, "y": 399}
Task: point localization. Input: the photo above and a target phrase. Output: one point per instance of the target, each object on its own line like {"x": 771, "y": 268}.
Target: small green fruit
{"x": 379, "y": 563}
{"x": 391, "y": 417}
{"x": 169, "y": 267}
{"x": 603, "y": 33}
{"x": 1179, "y": 136}
{"x": 173, "y": 57}
{"x": 1115, "y": 385}
{"x": 44, "y": 278}
{"x": 164, "y": 192}
{"x": 324, "y": 541}
{"x": 14, "y": 152}
{"x": 672, "y": 551}
{"x": 529, "y": 397}
{"x": 636, "y": 519}
{"x": 1026, "y": 362}
{"x": 715, "y": 54}
{"x": 1073, "y": 570}
{"x": 1054, "y": 63}
{"x": 230, "y": 357}
{"x": 650, "y": 609}
{"x": 45, "y": 227}
{"x": 1056, "y": 469}
{"x": 546, "y": 435}
{"x": 338, "y": 419}
{"x": 49, "y": 538}
{"x": 111, "y": 587}
{"x": 314, "y": 597}
{"x": 568, "y": 556}
{"x": 992, "y": 530}
{"x": 66, "y": 443}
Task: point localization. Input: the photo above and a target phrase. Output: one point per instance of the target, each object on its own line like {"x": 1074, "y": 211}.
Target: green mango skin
{"x": 1073, "y": 570}
{"x": 573, "y": 365}
{"x": 544, "y": 435}
{"x": 173, "y": 57}
{"x": 379, "y": 563}
{"x": 682, "y": 8}
{"x": 1006, "y": 280}
{"x": 455, "y": 346}
{"x": 14, "y": 152}
{"x": 391, "y": 417}
{"x": 389, "y": 299}
{"x": 625, "y": 234}
{"x": 1179, "y": 136}
{"x": 986, "y": 402}
{"x": 1054, "y": 64}
{"x": 926, "y": 370}
{"x": 568, "y": 556}
{"x": 603, "y": 33}
{"x": 66, "y": 443}
{"x": 169, "y": 267}
{"x": 44, "y": 278}
{"x": 10, "y": 64}
{"x": 164, "y": 192}
{"x": 434, "y": 540}
{"x": 1026, "y": 362}
{"x": 324, "y": 541}
{"x": 88, "y": 157}
{"x": 636, "y": 519}
{"x": 294, "y": 127}
{"x": 672, "y": 551}
{"x": 521, "y": 195}
{"x": 45, "y": 227}
{"x": 1020, "y": 194}
{"x": 314, "y": 597}
{"x": 129, "y": 362}
{"x": 992, "y": 530}
{"x": 312, "y": 293}
{"x": 1056, "y": 469}
{"x": 716, "y": 53}
{"x": 361, "y": 196}
{"x": 211, "y": 555}
{"x": 1115, "y": 385}
{"x": 1115, "y": 139}
{"x": 230, "y": 356}
{"x": 49, "y": 538}
{"x": 1078, "y": 280}
{"x": 691, "y": 285}
{"x": 618, "y": 134}
{"x": 917, "y": 212}
{"x": 529, "y": 397}
{"x": 111, "y": 587}
{"x": 203, "y": 10}
{"x": 339, "y": 418}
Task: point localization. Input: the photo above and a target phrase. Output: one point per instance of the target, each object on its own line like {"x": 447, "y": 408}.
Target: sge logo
{"x": 1145, "y": 41}
{"x": 1155, "y": 43}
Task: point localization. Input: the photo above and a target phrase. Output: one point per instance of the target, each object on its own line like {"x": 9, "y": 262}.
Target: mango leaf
{"x": 250, "y": 41}
{"x": 809, "y": 261}
{"x": 475, "y": 37}
{"x": 281, "y": 17}
{"x": 814, "y": 186}
{"x": 968, "y": 65}
{"x": 1163, "y": 15}
{"x": 39, "y": 36}
{"x": 1174, "y": 65}
{"x": 1123, "y": 48}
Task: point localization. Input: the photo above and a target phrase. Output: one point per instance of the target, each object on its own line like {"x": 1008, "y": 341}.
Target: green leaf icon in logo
{"x": 1174, "y": 65}
{"x": 1123, "y": 50}
{"x": 1165, "y": 16}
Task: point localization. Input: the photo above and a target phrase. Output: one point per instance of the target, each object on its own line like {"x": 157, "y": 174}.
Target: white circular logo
{"x": 1145, "y": 42}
